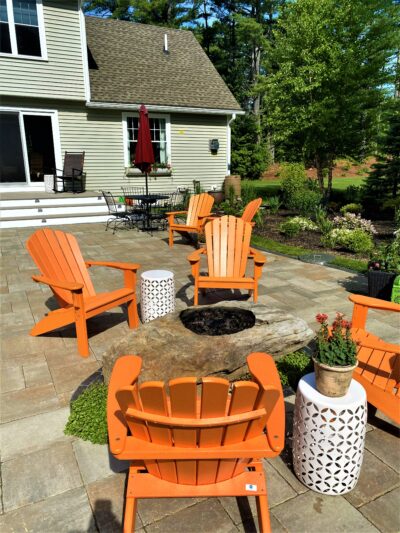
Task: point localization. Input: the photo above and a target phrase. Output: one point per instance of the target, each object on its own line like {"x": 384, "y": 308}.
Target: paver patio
{"x": 54, "y": 483}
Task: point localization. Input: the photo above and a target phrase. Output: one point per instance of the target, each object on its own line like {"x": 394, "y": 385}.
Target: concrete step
{"x": 51, "y": 220}
{"x": 43, "y": 211}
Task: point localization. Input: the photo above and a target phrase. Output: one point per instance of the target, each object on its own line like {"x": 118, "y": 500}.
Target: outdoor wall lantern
{"x": 214, "y": 146}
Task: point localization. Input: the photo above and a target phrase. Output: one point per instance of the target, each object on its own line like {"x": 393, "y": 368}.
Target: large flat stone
{"x": 28, "y": 402}
{"x": 384, "y": 512}
{"x": 171, "y": 350}
{"x": 68, "y": 512}
{"x": 154, "y": 509}
{"x": 375, "y": 479}
{"x": 95, "y": 462}
{"x": 107, "y": 500}
{"x": 23, "y": 436}
{"x": 39, "y": 475}
{"x": 316, "y": 513}
{"x": 385, "y": 446}
{"x": 207, "y": 516}
{"x": 12, "y": 378}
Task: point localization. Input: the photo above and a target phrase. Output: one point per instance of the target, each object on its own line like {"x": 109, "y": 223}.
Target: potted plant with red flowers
{"x": 336, "y": 356}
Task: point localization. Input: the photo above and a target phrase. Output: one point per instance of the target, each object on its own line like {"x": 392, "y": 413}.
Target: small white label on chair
{"x": 252, "y": 488}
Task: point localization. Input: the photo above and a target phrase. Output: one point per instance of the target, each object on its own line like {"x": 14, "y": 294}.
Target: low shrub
{"x": 324, "y": 224}
{"x": 352, "y": 221}
{"x": 292, "y": 367}
{"x": 248, "y": 193}
{"x": 354, "y": 240}
{"x": 351, "y": 208}
{"x": 353, "y": 193}
{"x": 274, "y": 204}
{"x": 295, "y": 225}
{"x": 88, "y": 418}
{"x": 305, "y": 201}
{"x": 293, "y": 178}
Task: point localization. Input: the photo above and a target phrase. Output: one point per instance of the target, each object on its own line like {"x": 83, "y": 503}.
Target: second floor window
{"x": 21, "y": 26}
{"x": 158, "y": 137}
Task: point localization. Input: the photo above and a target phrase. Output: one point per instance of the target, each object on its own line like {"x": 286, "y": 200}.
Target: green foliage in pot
{"x": 335, "y": 347}
{"x": 387, "y": 258}
{"x": 292, "y": 367}
{"x": 88, "y": 418}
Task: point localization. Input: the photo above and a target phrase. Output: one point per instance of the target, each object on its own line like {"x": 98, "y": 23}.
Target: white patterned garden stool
{"x": 157, "y": 294}
{"x": 328, "y": 437}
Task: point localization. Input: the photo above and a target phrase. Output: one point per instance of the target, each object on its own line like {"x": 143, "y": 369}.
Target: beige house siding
{"x": 100, "y": 134}
{"x": 61, "y": 75}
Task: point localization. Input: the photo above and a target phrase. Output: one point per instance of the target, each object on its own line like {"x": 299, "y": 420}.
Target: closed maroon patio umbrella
{"x": 144, "y": 156}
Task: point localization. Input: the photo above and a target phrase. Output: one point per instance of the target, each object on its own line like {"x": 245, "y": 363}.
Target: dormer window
{"x": 22, "y": 28}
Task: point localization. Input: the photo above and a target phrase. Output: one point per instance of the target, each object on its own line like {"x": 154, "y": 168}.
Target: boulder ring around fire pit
{"x": 170, "y": 349}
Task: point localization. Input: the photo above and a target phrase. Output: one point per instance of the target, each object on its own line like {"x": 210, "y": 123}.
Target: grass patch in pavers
{"x": 88, "y": 418}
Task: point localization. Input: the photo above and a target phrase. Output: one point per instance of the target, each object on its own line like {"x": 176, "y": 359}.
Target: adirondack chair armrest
{"x": 125, "y": 373}
{"x": 66, "y": 285}
{"x": 363, "y": 303}
{"x": 194, "y": 257}
{"x": 263, "y": 369}
{"x": 259, "y": 258}
{"x": 113, "y": 264}
{"x": 176, "y": 213}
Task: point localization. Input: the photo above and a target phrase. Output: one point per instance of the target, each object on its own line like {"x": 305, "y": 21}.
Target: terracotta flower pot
{"x": 333, "y": 381}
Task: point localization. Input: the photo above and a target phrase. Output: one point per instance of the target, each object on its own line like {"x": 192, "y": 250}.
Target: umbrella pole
{"x": 147, "y": 185}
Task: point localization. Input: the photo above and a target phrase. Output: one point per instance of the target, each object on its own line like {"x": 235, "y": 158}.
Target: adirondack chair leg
{"x": 263, "y": 514}
{"x": 81, "y": 325}
{"x": 130, "y": 515}
{"x": 196, "y": 295}
{"x": 133, "y": 318}
{"x": 255, "y": 293}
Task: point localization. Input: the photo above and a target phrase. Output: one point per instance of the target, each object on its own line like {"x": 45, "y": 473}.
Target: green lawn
{"x": 271, "y": 188}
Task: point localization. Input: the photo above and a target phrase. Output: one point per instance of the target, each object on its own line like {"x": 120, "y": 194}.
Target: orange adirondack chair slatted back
{"x": 251, "y": 209}
{"x": 380, "y": 368}
{"x": 58, "y": 257}
{"x": 227, "y": 244}
{"x": 199, "y": 204}
{"x": 215, "y": 400}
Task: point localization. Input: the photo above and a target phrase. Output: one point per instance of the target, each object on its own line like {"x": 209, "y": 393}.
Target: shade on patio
{"x": 144, "y": 156}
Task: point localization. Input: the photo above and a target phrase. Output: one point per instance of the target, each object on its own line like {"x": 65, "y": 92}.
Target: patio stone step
{"x": 51, "y": 220}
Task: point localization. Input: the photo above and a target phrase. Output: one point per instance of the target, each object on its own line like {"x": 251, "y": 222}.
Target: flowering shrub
{"x": 335, "y": 347}
{"x": 353, "y": 221}
{"x": 294, "y": 225}
{"x": 387, "y": 258}
{"x": 351, "y": 208}
{"x": 355, "y": 240}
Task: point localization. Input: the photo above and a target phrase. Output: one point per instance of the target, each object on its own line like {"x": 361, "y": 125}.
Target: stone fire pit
{"x": 209, "y": 340}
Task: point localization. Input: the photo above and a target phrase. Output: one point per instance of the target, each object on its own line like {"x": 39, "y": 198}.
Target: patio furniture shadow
{"x": 358, "y": 284}
{"x": 103, "y": 518}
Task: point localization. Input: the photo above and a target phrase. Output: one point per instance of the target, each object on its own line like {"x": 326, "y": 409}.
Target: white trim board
{"x": 165, "y": 109}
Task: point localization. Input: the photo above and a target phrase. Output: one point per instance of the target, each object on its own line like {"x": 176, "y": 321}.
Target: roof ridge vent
{"x": 166, "y": 51}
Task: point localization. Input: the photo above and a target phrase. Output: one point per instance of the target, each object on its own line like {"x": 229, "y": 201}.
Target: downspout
{"x": 228, "y": 142}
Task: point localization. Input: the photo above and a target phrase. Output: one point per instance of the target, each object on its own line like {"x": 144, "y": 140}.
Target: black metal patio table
{"x": 147, "y": 200}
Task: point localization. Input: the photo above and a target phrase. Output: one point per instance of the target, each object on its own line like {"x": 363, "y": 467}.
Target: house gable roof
{"x": 128, "y": 65}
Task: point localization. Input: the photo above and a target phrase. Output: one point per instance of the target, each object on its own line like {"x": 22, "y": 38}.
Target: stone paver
{"x": 67, "y": 512}
{"x": 312, "y": 512}
{"x": 39, "y": 475}
{"x": 95, "y": 462}
{"x": 24, "y": 436}
{"x": 384, "y": 512}
{"x": 58, "y": 484}
{"x": 375, "y": 479}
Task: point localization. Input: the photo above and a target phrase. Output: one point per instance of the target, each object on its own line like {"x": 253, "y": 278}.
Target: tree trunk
{"x": 330, "y": 177}
{"x": 320, "y": 174}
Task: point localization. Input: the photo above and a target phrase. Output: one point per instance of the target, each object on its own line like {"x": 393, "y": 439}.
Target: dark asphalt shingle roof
{"x": 133, "y": 68}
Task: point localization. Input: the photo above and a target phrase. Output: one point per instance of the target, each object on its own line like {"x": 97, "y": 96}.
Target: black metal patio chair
{"x": 119, "y": 215}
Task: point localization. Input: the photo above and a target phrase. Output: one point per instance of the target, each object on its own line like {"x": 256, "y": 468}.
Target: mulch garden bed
{"x": 312, "y": 239}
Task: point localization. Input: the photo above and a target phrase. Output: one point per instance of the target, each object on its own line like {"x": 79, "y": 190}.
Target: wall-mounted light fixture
{"x": 214, "y": 146}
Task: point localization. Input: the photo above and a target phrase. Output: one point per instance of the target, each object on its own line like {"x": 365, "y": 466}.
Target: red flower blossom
{"x": 321, "y": 318}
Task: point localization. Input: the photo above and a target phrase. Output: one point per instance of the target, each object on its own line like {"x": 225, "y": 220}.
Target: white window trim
{"x": 53, "y": 114}
{"x": 85, "y": 61}
{"x": 13, "y": 37}
{"x": 126, "y": 139}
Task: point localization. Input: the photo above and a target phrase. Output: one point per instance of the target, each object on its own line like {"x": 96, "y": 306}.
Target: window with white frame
{"x": 158, "y": 132}
{"x": 21, "y": 28}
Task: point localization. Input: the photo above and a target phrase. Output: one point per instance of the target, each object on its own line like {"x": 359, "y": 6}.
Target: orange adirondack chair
{"x": 378, "y": 368}
{"x": 62, "y": 268}
{"x": 227, "y": 250}
{"x": 200, "y": 206}
{"x": 250, "y": 210}
{"x": 184, "y": 444}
